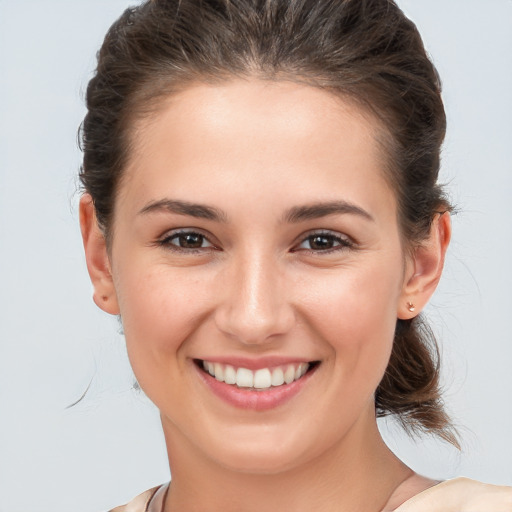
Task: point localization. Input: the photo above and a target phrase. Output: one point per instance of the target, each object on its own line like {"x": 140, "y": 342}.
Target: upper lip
{"x": 256, "y": 363}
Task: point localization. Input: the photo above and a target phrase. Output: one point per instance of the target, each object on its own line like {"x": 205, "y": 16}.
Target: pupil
{"x": 191, "y": 241}
{"x": 321, "y": 242}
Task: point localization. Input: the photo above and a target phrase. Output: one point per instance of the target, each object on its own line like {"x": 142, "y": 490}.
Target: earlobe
{"x": 424, "y": 269}
{"x": 96, "y": 255}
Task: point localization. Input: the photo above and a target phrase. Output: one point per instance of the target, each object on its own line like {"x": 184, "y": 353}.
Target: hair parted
{"x": 367, "y": 51}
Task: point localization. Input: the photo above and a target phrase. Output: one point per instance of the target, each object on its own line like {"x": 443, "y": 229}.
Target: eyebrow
{"x": 292, "y": 216}
{"x": 200, "y": 211}
{"x": 318, "y": 210}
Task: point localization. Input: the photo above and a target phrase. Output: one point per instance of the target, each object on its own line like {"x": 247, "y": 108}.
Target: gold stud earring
{"x": 411, "y": 307}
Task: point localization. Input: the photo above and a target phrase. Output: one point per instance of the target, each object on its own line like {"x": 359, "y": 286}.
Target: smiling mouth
{"x": 257, "y": 380}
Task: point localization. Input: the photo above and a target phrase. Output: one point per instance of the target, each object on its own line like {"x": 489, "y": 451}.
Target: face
{"x": 256, "y": 239}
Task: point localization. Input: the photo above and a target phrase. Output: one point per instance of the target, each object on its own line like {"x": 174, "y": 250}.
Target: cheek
{"x": 160, "y": 309}
{"x": 354, "y": 312}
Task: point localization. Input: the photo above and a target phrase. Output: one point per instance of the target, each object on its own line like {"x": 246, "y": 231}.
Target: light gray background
{"x": 53, "y": 339}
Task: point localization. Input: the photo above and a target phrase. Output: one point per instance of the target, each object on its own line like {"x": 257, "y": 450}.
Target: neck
{"x": 359, "y": 474}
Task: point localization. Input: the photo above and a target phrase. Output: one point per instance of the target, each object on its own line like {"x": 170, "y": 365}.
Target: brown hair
{"x": 365, "y": 50}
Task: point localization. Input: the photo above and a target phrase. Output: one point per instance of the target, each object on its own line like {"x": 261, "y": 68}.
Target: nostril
{"x": 255, "y": 326}
{"x": 252, "y": 304}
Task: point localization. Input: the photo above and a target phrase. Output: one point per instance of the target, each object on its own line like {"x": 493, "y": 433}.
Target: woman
{"x": 261, "y": 209}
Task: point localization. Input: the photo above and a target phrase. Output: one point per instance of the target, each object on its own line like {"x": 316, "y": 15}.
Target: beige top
{"x": 457, "y": 495}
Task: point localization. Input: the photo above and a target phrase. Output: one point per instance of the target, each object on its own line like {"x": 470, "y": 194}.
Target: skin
{"x": 256, "y": 285}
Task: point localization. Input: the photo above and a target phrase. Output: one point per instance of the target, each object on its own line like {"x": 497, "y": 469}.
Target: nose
{"x": 253, "y": 306}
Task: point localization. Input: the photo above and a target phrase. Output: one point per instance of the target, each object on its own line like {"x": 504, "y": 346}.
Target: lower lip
{"x": 263, "y": 400}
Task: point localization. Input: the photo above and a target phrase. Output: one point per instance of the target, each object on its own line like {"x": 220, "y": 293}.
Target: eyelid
{"x": 345, "y": 241}
{"x": 164, "y": 240}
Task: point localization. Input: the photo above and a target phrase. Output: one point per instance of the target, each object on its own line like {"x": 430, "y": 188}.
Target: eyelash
{"x": 342, "y": 242}
{"x": 167, "y": 242}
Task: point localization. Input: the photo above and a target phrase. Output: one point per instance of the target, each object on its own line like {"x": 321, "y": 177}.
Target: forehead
{"x": 260, "y": 136}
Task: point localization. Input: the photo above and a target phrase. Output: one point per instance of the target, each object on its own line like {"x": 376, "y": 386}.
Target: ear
{"x": 424, "y": 269}
{"x": 96, "y": 256}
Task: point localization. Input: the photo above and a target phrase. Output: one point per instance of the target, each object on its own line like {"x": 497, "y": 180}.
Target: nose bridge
{"x": 254, "y": 306}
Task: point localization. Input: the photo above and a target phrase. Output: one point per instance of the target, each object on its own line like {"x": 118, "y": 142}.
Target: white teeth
{"x": 262, "y": 379}
{"x": 277, "y": 377}
{"x": 289, "y": 374}
{"x": 219, "y": 372}
{"x": 301, "y": 370}
{"x": 244, "y": 378}
{"x": 229, "y": 375}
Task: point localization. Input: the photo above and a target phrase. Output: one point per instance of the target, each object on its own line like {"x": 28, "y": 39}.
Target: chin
{"x": 265, "y": 453}
{"x": 262, "y": 462}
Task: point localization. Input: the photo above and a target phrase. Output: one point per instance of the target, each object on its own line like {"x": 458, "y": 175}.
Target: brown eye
{"x": 190, "y": 240}
{"x": 319, "y": 242}
{"x": 187, "y": 240}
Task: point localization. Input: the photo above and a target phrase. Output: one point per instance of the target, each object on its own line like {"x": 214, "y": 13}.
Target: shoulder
{"x": 149, "y": 501}
{"x": 461, "y": 495}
